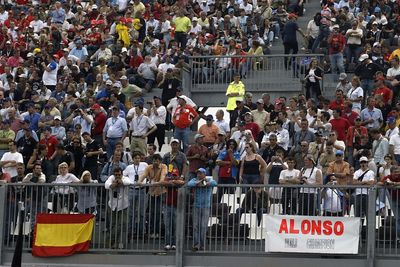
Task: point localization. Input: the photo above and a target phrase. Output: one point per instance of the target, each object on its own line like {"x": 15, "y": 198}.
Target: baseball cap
{"x": 335, "y": 26}
{"x": 117, "y": 84}
{"x": 391, "y": 120}
{"x": 109, "y": 82}
{"x": 202, "y": 170}
{"x": 197, "y": 136}
{"x": 363, "y": 159}
{"x": 260, "y": 101}
{"x": 174, "y": 140}
{"x": 363, "y": 57}
{"x": 124, "y": 49}
{"x": 339, "y": 153}
{"x": 342, "y": 76}
{"x": 96, "y": 106}
{"x": 124, "y": 78}
{"x": 57, "y": 118}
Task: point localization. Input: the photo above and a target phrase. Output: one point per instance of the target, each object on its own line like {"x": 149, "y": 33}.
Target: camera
{"x": 204, "y": 183}
{"x": 136, "y": 177}
{"x": 115, "y": 194}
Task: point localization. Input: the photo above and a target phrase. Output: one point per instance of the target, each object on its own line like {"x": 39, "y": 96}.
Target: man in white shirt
{"x": 36, "y": 24}
{"x": 289, "y": 195}
{"x": 393, "y": 129}
{"x": 118, "y": 204}
{"x": 363, "y": 176}
{"x": 380, "y": 146}
{"x": 137, "y": 195}
{"x": 221, "y": 123}
{"x": 9, "y": 161}
{"x": 140, "y": 128}
{"x": 80, "y": 116}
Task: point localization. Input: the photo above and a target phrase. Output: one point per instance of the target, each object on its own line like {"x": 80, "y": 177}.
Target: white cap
{"x": 124, "y": 49}
{"x": 29, "y": 55}
{"x": 174, "y": 140}
{"x": 94, "y": 6}
{"x": 22, "y": 76}
{"x": 363, "y": 159}
{"x": 57, "y": 118}
{"x": 194, "y": 19}
{"x": 123, "y": 78}
{"x": 363, "y": 57}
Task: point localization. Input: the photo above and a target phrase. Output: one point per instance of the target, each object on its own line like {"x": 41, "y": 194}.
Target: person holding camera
{"x": 137, "y": 195}
{"x": 333, "y": 199}
{"x": 118, "y": 204}
{"x": 80, "y": 116}
{"x": 201, "y": 207}
{"x": 309, "y": 175}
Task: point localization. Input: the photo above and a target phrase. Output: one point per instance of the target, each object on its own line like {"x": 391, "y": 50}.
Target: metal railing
{"x": 259, "y": 73}
{"x": 160, "y": 218}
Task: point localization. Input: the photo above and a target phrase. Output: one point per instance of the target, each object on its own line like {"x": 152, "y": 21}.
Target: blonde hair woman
{"x": 64, "y": 195}
{"x": 87, "y": 194}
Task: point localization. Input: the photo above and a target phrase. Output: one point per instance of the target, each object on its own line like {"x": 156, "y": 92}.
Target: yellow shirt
{"x": 182, "y": 24}
{"x": 123, "y": 35}
{"x": 234, "y": 88}
{"x": 10, "y": 135}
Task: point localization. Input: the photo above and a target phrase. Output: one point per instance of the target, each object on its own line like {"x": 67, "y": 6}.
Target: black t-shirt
{"x": 26, "y": 147}
{"x": 92, "y": 147}
{"x": 289, "y": 32}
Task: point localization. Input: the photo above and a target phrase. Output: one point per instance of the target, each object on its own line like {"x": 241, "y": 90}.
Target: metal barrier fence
{"x": 264, "y": 72}
{"x": 229, "y": 218}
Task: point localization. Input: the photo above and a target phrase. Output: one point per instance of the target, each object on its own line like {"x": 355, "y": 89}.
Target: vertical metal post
{"x": 180, "y": 226}
{"x": 3, "y": 194}
{"x": 371, "y": 214}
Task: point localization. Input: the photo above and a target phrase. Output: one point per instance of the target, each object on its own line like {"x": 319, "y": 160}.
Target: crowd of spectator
{"x": 73, "y": 75}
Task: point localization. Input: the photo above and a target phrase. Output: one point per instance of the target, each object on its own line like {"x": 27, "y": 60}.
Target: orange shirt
{"x": 210, "y": 133}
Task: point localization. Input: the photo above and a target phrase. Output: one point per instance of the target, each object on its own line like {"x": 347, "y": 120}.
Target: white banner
{"x": 312, "y": 234}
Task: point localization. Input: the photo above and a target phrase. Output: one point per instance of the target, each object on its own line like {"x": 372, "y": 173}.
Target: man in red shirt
{"x": 197, "y": 155}
{"x": 250, "y": 125}
{"x": 336, "y": 44}
{"x": 338, "y": 103}
{"x": 339, "y": 125}
{"x": 381, "y": 89}
{"x": 51, "y": 142}
{"x": 349, "y": 114}
{"x": 98, "y": 123}
{"x": 183, "y": 118}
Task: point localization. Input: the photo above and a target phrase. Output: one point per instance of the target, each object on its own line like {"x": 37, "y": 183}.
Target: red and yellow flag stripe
{"x": 62, "y": 234}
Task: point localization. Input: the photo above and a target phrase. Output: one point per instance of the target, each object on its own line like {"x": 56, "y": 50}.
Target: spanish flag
{"x": 62, "y": 234}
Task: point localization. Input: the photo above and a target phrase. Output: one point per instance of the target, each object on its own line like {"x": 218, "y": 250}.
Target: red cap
{"x": 292, "y": 15}
{"x": 123, "y": 20}
{"x": 96, "y": 106}
{"x": 238, "y": 46}
{"x": 56, "y": 56}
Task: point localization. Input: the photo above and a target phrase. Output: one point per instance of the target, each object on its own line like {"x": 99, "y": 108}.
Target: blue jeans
{"x": 183, "y": 136}
{"x": 111, "y": 146}
{"x": 397, "y": 158}
{"x": 350, "y": 157}
{"x": 200, "y": 223}
{"x": 137, "y": 210}
{"x": 170, "y": 224}
{"x": 336, "y": 62}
